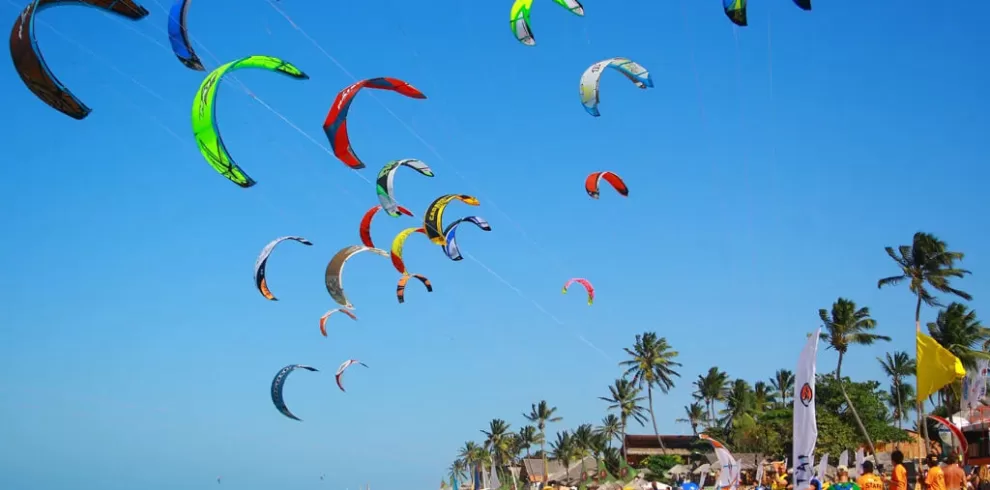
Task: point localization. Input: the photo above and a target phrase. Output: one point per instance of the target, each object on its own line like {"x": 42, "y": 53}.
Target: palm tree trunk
{"x": 625, "y": 450}
{"x": 900, "y": 409}
{"x": 649, "y": 394}
{"x": 543, "y": 455}
{"x": 922, "y": 426}
{"x": 862, "y": 429}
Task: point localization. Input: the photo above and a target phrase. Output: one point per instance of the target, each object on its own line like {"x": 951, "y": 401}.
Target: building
{"x": 638, "y": 447}
{"x": 532, "y": 470}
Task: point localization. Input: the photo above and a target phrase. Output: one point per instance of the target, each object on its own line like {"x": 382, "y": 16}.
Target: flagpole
{"x": 922, "y": 426}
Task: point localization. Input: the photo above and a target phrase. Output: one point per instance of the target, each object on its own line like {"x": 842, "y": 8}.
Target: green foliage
{"x": 870, "y": 400}
{"x": 659, "y": 465}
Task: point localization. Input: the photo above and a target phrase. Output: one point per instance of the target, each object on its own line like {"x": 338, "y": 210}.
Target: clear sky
{"x": 138, "y": 354}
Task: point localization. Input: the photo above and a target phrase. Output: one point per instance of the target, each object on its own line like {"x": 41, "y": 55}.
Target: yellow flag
{"x": 937, "y": 366}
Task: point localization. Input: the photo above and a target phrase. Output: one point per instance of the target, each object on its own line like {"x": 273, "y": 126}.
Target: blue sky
{"x": 139, "y": 354}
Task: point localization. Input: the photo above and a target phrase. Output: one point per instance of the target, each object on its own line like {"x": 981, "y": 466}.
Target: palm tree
{"x": 527, "y": 437}
{"x": 456, "y": 470}
{"x": 738, "y": 402}
{"x": 763, "y": 396}
{"x": 584, "y": 442}
{"x": 497, "y": 441}
{"x": 611, "y": 428}
{"x": 474, "y": 457}
{"x": 897, "y": 367}
{"x": 695, "y": 415}
{"x": 926, "y": 263}
{"x": 711, "y": 388}
{"x": 901, "y": 400}
{"x": 783, "y": 384}
{"x": 541, "y": 413}
{"x": 563, "y": 450}
{"x": 957, "y": 329}
{"x": 599, "y": 443}
{"x": 625, "y": 398}
{"x": 651, "y": 364}
{"x": 847, "y": 326}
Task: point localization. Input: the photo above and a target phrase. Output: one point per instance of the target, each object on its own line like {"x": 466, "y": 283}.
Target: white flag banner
{"x": 493, "y": 481}
{"x": 822, "y": 466}
{"x": 860, "y": 458}
{"x": 844, "y": 458}
{"x": 805, "y": 424}
{"x": 759, "y": 473}
{"x": 728, "y": 476}
{"x": 975, "y": 385}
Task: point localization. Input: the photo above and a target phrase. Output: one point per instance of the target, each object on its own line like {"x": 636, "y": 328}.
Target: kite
{"x": 279, "y": 382}
{"x": 592, "y": 76}
{"x": 519, "y": 18}
{"x": 386, "y": 177}
{"x": 400, "y": 289}
{"x": 450, "y": 239}
{"x": 433, "y": 221}
{"x": 323, "y": 319}
{"x": 365, "y": 228}
{"x": 735, "y": 10}
{"x": 204, "y": 114}
{"x": 803, "y": 4}
{"x": 343, "y": 367}
{"x": 31, "y": 66}
{"x": 335, "y": 125}
{"x": 335, "y": 269}
{"x": 399, "y": 243}
{"x": 178, "y": 37}
{"x": 594, "y": 180}
{"x": 587, "y": 285}
{"x": 260, "y": 281}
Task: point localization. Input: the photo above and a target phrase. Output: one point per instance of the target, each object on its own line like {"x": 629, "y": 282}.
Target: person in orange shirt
{"x": 898, "y": 477}
{"x": 868, "y": 480}
{"x": 955, "y": 477}
{"x": 935, "y": 480}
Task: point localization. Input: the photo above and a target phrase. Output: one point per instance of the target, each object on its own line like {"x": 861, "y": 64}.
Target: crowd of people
{"x": 938, "y": 473}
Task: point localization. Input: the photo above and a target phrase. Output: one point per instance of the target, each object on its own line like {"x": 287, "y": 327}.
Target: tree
{"x": 763, "y": 396}
{"x": 847, "y": 326}
{"x": 563, "y": 450}
{"x": 583, "y": 440}
{"x": 541, "y": 413}
{"x": 651, "y": 364}
{"x": 783, "y": 385}
{"x": 926, "y": 263}
{"x": 624, "y": 397}
{"x": 711, "y": 388}
{"x": 897, "y": 367}
{"x": 957, "y": 329}
{"x": 901, "y": 402}
{"x": 695, "y": 415}
{"x": 611, "y": 428}
{"x": 527, "y": 438}
{"x": 497, "y": 441}
{"x": 738, "y": 403}
{"x": 871, "y": 403}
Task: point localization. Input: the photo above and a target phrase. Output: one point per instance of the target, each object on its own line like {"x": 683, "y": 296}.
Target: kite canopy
{"x": 279, "y": 383}
{"x": 30, "y": 64}
{"x": 592, "y": 77}
{"x": 204, "y": 119}
{"x": 519, "y": 18}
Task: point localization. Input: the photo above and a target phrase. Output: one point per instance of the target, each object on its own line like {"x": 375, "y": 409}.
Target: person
{"x": 935, "y": 478}
{"x": 842, "y": 480}
{"x": 868, "y": 480}
{"x": 898, "y": 476}
{"x": 777, "y": 479}
{"x": 842, "y": 475}
{"x": 955, "y": 477}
